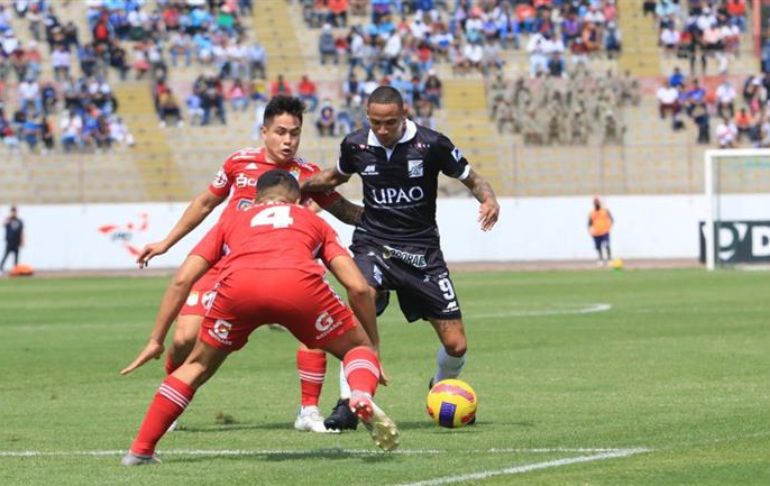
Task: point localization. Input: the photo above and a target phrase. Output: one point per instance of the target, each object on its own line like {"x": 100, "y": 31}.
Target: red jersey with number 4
{"x": 271, "y": 236}
{"x": 242, "y": 169}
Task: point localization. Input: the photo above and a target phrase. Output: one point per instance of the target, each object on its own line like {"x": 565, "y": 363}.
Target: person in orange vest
{"x": 599, "y": 224}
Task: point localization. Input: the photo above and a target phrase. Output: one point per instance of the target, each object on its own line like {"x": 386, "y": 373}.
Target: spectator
{"x": 60, "y": 60}
{"x": 169, "y": 107}
{"x": 725, "y": 99}
{"x": 194, "y": 108}
{"x": 744, "y": 124}
{"x": 239, "y": 99}
{"x": 257, "y": 61}
{"x": 726, "y": 132}
{"x": 326, "y": 122}
{"x": 307, "y": 92}
{"x": 280, "y": 87}
{"x": 668, "y": 99}
{"x": 352, "y": 87}
{"x": 700, "y": 115}
{"x": 327, "y": 46}
{"x": 71, "y": 126}
{"x": 677, "y": 79}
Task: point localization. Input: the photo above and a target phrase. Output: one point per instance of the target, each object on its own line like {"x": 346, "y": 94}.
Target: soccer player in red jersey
{"x": 273, "y": 246}
{"x": 237, "y": 177}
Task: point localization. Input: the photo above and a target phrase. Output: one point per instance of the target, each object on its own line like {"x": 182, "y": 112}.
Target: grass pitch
{"x": 674, "y": 362}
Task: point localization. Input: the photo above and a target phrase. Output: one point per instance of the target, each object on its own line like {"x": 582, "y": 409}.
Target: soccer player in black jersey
{"x": 396, "y": 242}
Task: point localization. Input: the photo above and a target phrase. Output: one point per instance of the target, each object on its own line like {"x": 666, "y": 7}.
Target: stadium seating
{"x": 174, "y": 163}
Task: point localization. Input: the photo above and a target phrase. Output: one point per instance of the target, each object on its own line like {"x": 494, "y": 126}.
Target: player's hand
{"x": 384, "y": 378}
{"x": 153, "y": 350}
{"x": 489, "y": 211}
{"x": 149, "y": 251}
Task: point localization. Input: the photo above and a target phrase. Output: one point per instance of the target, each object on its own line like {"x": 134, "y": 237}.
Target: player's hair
{"x": 386, "y": 95}
{"x": 278, "y": 179}
{"x": 281, "y": 104}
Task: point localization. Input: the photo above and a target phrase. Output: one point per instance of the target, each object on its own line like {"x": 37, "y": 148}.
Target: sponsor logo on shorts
{"x": 415, "y": 168}
{"x": 325, "y": 324}
{"x": 377, "y": 274}
{"x": 457, "y": 154}
{"x": 416, "y": 260}
{"x": 221, "y": 331}
{"x": 451, "y": 307}
{"x": 192, "y": 299}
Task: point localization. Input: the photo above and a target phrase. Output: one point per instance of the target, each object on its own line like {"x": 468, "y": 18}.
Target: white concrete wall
{"x": 68, "y": 236}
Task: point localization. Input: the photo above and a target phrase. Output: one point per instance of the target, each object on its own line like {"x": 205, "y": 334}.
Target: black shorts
{"x": 419, "y": 276}
{"x": 603, "y": 240}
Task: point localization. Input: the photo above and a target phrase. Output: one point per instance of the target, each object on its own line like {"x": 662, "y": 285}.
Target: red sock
{"x": 311, "y": 368}
{"x": 170, "y": 366}
{"x": 362, "y": 369}
{"x": 172, "y": 398}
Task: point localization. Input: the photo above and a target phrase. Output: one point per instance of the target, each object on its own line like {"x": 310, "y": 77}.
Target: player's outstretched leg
{"x": 311, "y": 368}
{"x": 171, "y": 399}
{"x": 362, "y": 369}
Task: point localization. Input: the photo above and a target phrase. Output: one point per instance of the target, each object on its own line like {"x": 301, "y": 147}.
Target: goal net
{"x": 736, "y": 229}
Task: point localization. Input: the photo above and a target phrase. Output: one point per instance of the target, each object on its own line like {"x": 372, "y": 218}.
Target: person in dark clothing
{"x": 14, "y": 238}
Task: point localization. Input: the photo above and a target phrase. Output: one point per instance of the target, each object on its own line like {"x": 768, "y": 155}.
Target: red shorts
{"x": 303, "y": 303}
{"x": 200, "y": 295}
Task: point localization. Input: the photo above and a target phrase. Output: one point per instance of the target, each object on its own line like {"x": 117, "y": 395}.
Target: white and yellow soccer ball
{"x": 452, "y": 403}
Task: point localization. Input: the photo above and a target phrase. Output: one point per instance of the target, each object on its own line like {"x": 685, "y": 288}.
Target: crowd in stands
{"x": 741, "y": 111}
{"x": 77, "y": 109}
{"x": 700, "y": 30}
{"x": 549, "y": 110}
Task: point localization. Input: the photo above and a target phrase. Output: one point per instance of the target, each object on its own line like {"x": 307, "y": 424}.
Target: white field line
{"x": 566, "y": 310}
{"x": 306, "y": 452}
{"x": 603, "y": 456}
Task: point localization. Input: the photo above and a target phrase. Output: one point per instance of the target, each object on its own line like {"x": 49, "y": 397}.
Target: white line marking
{"x": 584, "y": 309}
{"x": 529, "y": 467}
{"x": 302, "y": 452}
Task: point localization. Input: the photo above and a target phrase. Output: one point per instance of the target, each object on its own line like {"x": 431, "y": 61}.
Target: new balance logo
{"x": 370, "y": 170}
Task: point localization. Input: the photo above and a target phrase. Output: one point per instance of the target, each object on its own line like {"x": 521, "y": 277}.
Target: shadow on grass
{"x": 375, "y": 456}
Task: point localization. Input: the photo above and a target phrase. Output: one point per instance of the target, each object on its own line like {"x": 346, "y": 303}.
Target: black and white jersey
{"x": 400, "y": 183}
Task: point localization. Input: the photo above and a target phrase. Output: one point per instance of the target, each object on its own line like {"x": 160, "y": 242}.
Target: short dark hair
{"x": 278, "y": 178}
{"x": 386, "y": 95}
{"x": 281, "y": 104}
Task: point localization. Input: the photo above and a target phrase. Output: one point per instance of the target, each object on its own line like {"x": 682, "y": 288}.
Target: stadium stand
{"x": 173, "y": 65}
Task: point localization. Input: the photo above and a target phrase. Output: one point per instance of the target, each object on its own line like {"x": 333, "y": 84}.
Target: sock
{"x": 344, "y": 387}
{"x": 170, "y": 366}
{"x": 447, "y": 366}
{"x": 311, "y": 368}
{"x": 172, "y": 398}
{"x": 362, "y": 369}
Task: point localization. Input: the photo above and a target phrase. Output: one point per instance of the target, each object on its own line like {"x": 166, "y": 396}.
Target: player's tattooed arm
{"x": 346, "y": 211}
{"x": 325, "y": 180}
{"x": 489, "y": 210}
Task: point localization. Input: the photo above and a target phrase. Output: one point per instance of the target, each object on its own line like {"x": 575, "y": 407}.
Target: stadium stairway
{"x": 640, "y": 40}
{"x": 470, "y": 129}
{"x": 152, "y": 155}
{"x": 274, "y": 29}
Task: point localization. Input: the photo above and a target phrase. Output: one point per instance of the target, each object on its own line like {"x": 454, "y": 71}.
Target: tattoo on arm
{"x": 324, "y": 181}
{"x": 479, "y": 187}
{"x": 346, "y": 211}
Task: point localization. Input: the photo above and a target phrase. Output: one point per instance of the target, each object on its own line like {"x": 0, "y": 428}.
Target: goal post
{"x": 736, "y": 226}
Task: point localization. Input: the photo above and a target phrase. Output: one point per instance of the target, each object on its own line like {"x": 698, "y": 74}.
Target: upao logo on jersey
{"x": 398, "y": 195}
{"x": 415, "y": 168}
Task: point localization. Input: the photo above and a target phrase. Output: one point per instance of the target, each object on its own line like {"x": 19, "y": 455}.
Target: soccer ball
{"x": 452, "y": 403}
{"x": 616, "y": 264}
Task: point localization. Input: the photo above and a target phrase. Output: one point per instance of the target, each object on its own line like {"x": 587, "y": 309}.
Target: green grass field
{"x": 677, "y": 366}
